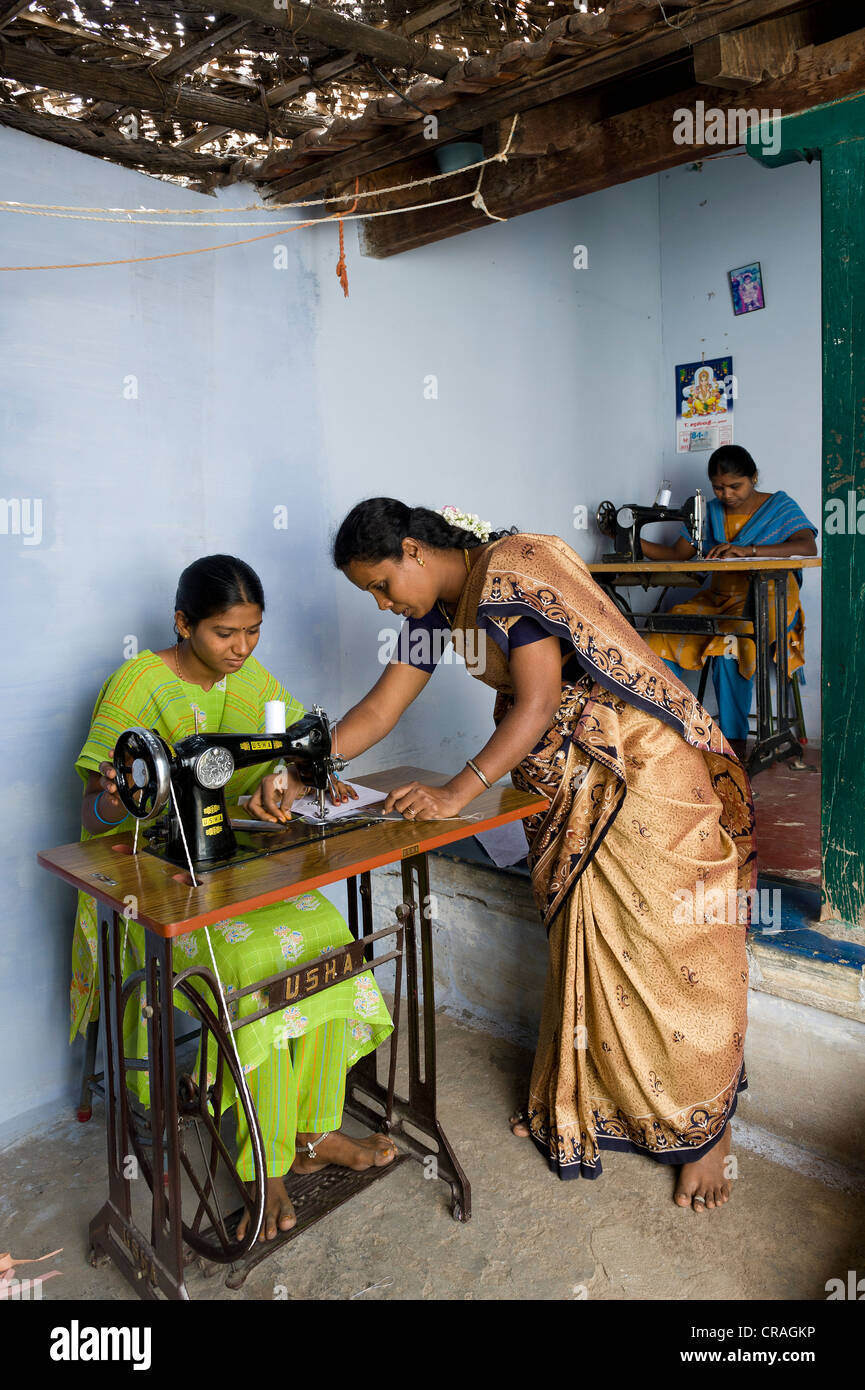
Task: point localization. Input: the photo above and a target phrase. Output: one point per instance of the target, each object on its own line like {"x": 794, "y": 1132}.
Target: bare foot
{"x": 705, "y": 1179}
{"x": 359, "y": 1154}
{"x": 519, "y": 1125}
{"x": 278, "y": 1212}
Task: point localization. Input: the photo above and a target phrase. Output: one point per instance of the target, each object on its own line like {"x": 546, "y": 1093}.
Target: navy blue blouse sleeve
{"x": 422, "y": 641}
{"x": 525, "y": 631}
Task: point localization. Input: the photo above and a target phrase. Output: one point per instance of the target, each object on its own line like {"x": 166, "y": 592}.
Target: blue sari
{"x": 733, "y": 656}
{"x": 774, "y": 522}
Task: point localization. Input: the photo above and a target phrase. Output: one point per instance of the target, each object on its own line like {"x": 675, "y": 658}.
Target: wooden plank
{"x": 843, "y": 824}
{"x": 455, "y": 116}
{"x": 186, "y": 58}
{"x": 189, "y": 56}
{"x": 170, "y": 906}
{"x": 741, "y": 59}
{"x": 429, "y": 15}
{"x": 44, "y": 21}
{"x": 138, "y": 154}
{"x": 348, "y": 35}
{"x": 835, "y": 129}
{"x": 127, "y": 88}
{"x": 325, "y": 72}
{"x": 643, "y": 142}
{"x": 10, "y": 12}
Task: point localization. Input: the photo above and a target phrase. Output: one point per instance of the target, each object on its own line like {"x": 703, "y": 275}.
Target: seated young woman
{"x": 742, "y": 522}
{"x": 296, "y": 1059}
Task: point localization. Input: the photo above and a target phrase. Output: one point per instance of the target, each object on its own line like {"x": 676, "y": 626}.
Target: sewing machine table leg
{"x": 151, "y": 1267}
{"x": 773, "y": 744}
{"x": 418, "y": 1111}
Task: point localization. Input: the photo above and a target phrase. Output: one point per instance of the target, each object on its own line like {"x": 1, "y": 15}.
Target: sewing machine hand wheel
{"x": 143, "y": 770}
{"x": 606, "y": 519}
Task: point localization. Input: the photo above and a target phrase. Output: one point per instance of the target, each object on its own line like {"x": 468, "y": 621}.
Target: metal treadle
{"x": 313, "y": 1195}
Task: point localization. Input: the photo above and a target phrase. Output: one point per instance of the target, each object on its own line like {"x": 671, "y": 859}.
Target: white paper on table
{"x": 307, "y": 806}
{"x": 506, "y": 844}
{"x": 366, "y": 796}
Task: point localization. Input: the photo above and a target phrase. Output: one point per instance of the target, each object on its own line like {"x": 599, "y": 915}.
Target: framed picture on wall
{"x": 746, "y": 287}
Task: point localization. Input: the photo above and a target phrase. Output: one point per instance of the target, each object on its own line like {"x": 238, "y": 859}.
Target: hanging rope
{"x": 341, "y": 269}
{"x": 475, "y": 195}
{"x": 134, "y": 214}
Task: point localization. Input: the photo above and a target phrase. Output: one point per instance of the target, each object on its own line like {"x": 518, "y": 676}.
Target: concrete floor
{"x": 782, "y": 1236}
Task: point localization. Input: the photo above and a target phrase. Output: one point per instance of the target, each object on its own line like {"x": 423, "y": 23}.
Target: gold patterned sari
{"x": 642, "y": 868}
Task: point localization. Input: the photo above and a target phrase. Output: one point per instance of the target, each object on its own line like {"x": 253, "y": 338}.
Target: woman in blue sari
{"x": 742, "y": 522}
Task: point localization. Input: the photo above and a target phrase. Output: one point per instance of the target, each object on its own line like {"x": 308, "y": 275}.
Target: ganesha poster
{"x": 704, "y": 404}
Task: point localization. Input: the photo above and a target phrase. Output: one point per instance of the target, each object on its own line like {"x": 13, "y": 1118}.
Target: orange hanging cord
{"x": 341, "y": 268}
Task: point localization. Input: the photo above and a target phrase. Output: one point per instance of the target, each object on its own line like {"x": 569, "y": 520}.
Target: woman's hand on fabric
{"x": 274, "y": 796}
{"x": 341, "y": 792}
{"x": 727, "y": 551}
{"x": 415, "y": 801}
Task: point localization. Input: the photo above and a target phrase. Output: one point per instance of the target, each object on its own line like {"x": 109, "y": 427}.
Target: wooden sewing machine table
{"x": 160, "y": 896}
{"x": 772, "y": 743}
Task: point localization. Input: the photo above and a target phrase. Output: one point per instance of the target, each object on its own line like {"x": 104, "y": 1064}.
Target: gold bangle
{"x": 474, "y": 767}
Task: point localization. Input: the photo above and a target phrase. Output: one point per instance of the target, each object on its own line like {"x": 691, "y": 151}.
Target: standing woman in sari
{"x": 295, "y": 1061}
{"x": 647, "y": 838}
{"x": 748, "y": 524}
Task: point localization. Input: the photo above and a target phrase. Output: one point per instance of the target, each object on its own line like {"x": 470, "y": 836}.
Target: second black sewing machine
{"x": 624, "y": 524}
{"x": 187, "y": 782}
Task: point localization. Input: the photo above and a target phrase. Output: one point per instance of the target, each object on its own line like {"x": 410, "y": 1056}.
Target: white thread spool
{"x": 274, "y": 723}
{"x": 274, "y": 716}
{"x": 664, "y": 493}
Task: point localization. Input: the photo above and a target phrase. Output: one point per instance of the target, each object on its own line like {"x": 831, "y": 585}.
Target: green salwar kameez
{"x": 296, "y": 1059}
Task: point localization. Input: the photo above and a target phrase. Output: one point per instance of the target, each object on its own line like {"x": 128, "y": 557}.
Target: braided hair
{"x": 374, "y": 530}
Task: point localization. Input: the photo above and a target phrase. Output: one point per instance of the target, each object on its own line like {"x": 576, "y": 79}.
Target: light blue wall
{"x": 730, "y": 213}
{"x": 225, "y": 427}
{"x": 548, "y": 398}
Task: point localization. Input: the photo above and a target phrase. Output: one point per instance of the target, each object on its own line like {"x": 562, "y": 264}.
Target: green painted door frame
{"x": 835, "y": 134}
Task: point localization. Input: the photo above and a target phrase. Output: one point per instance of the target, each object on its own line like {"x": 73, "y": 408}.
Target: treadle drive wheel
{"x": 212, "y": 1190}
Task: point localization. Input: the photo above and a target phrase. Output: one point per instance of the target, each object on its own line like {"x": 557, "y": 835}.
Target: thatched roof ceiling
{"x": 148, "y": 78}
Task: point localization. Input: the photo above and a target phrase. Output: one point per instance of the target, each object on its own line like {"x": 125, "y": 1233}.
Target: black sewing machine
{"x": 624, "y": 524}
{"x": 188, "y": 782}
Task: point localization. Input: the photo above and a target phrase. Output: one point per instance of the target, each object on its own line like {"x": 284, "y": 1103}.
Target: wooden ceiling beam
{"x": 741, "y": 59}
{"x": 186, "y": 58}
{"x": 602, "y": 153}
{"x": 140, "y": 90}
{"x": 338, "y": 67}
{"x": 429, "y": 15}
{"x": 139, "y": 154}
{"x": 284, "y": 177}
{"x": 189, "y": 56}
{"x": 44, "y": 21}
{"x": 325, "y": 72}
{"x": 348, "y": 35}
{"x": 10, "y": 12}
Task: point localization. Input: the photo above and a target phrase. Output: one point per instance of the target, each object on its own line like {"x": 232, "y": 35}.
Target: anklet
{"x": 311, "y": 1146}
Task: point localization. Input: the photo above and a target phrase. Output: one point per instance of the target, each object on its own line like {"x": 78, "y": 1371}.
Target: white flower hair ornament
{"x": 466, "y": 521}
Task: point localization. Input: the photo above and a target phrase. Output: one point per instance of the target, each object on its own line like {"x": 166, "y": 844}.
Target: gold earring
{"x": 420, "y": 559}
